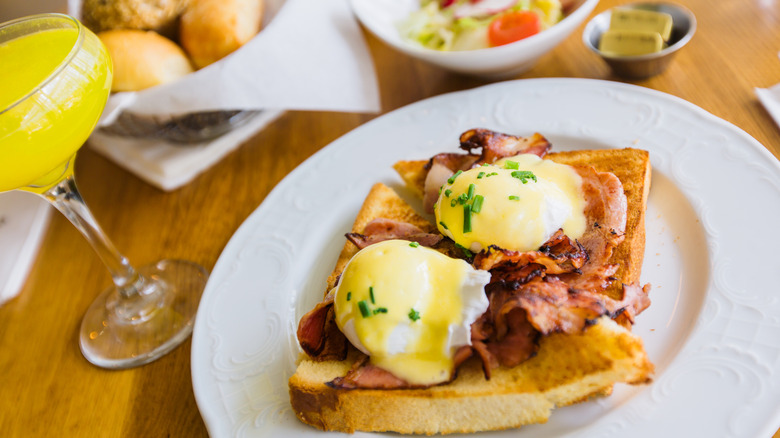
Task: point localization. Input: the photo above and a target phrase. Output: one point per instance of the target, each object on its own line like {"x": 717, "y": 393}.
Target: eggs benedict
{"x": 409, "y": 308}
{"x": 517, "y": 203}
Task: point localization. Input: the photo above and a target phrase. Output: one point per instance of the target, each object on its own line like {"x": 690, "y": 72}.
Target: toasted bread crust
{"x": 567, "y": 369}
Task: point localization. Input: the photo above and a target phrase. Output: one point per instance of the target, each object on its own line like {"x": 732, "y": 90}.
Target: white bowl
{"x": 381, "y": 17}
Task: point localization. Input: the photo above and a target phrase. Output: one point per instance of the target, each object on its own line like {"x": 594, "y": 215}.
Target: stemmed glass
{"x": 54, "y": 82}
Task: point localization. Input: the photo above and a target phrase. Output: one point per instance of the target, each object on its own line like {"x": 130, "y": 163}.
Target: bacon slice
{"x": 364, "y": 374}
{"x": 381, "y": 229}
{"x": 635, "y": 300}
{"x": 319, "y": 335}
{"x": 440, "y": 168}
{"x": 553, "y": 307}
{"x": 558, "y": 255}
{"x": 606, "y": 211}
{"x": 496, "y": 145}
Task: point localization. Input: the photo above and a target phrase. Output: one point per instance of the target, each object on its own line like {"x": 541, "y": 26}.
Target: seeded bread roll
{"x": 212, "y": 29}
{"x": 143, "y": 59}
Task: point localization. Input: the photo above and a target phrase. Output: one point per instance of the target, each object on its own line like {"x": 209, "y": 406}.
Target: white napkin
{"x": 23, "y": 219}
{"x": 770, "y": 98}
{"x": 310, "y": 56}
{"x": 169, "y": 166}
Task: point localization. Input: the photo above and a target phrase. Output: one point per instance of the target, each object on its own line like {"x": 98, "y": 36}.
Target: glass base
{"x": 119, "y": 332}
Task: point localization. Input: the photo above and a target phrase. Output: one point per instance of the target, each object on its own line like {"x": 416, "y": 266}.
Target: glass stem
{"x": 66, "y": 198}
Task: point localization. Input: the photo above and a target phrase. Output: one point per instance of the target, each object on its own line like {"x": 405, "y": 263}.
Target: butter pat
{"x": 630, "y": 42}
{"x": 641, "y": 20}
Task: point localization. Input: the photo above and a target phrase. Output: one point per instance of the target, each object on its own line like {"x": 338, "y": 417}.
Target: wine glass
{"x": 56, "y": 77}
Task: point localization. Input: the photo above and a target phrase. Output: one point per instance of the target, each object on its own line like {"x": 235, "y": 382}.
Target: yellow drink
{"x": 41, "y": 132}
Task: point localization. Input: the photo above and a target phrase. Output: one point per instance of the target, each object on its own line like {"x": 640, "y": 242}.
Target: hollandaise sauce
{"x": 408, "y": 307}
{"x": 517, "y": 204}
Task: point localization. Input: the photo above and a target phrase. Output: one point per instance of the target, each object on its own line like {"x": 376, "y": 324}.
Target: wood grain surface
{"x": 48, "y": 389}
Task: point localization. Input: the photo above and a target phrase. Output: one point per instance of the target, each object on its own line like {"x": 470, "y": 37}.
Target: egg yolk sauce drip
{"x": 517, "y": 203}
{"x": 409, "y": 308}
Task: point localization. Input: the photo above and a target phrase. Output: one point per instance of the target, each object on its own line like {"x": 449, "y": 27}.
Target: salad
{"x": 477, "y": 24}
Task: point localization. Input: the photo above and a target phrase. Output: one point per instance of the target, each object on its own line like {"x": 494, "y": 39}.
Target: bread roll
{"x": 212, "y": 29}
{"x": 143, "y": 59}
{"x": 157, "y": 15}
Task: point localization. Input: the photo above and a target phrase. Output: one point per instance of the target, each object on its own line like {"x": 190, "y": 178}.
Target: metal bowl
{"x": 181, "y": 130}
{"x": 643, "y": 66}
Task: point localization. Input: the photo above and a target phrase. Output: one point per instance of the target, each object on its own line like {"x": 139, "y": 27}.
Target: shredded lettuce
{"x": 436, "y": 28}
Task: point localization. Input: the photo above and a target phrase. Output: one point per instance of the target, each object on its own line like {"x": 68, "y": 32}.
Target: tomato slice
{"x": 513, "y": 26}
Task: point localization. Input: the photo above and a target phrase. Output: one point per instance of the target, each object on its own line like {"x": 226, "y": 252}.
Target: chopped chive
{"x": 380, "y": 310}
{"x": 363, "y": 306}
{"x": 371, "y": 294}
{"x": 443, "y": 225}
{"x": 349, "y": 296}
{"x": 514, "y": 198}
{"x": 492, "y": 174}
{"x": 414, "y": 315}
{"x": 524, "y": 175}
{"x": 447, "y": 193}
{"x": 480, "y": 175}
{"x": 472, "y": 189}
{"x": 451, "y": 179}
{"x": 467, "y": 218}
{"x": 476, "y": 205}
{"x": 465, "y": 250}
{"x": 454, "y": 202}
{"x": 511, "y": 165}
{"x": 414, "y": 244}
{"x": 463, "y": 198}
{"x": 485, "y": 164}
{"x": 440, "y": 189}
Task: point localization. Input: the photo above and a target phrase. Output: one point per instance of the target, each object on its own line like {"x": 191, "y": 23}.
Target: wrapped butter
{"x": 630, "y": 42}
{"x": 641, "y": 20}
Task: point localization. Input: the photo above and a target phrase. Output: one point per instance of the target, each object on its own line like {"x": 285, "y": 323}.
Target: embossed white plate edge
{"x": 714, "y": 321}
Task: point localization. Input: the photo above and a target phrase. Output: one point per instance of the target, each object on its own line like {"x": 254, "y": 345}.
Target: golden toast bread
{"x": 567, "y": 369}
{"x": 631, "y": 166}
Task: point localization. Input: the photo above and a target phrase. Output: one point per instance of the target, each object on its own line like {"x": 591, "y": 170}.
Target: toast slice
{"x": 631, "y": 166}
{"x": 567, "y": 369}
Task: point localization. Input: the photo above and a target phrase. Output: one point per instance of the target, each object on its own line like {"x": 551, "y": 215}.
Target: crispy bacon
{"x": 516, "y": 339}
{"x": 381, "y": 229}
{"x": 606, "y": 210}
{"x": 558, "y": 255}
{"x": 496, "y": 145}
{"x": 553, "y": 307}
{"x": 635, "y": 300}
{"x": 319, "y": 335}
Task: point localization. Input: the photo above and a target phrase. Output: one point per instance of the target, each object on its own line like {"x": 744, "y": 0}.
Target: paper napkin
{"x": 310, "y": 55}
{"x": 770, "y": 98}
{"x": 169, "y": 166}
{"x": 23, "y": 219}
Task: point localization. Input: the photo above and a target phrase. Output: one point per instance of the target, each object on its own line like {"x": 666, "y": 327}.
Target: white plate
{"x": 713, "y": 330}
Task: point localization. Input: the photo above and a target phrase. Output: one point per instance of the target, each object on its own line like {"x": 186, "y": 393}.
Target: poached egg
{"x": 409, "y": 308}
{"x": 518, "y": 203}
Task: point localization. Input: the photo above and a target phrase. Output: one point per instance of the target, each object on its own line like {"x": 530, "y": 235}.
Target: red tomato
{"x": 513, "y": 26}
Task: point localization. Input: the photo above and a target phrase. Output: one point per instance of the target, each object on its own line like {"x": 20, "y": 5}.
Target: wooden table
{"x": 48, "y": 389}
